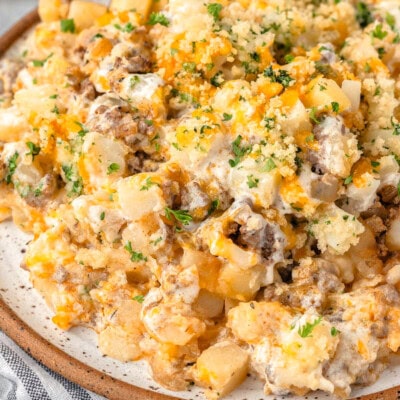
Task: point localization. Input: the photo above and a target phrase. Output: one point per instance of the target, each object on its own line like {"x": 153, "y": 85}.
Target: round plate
{"x": 74, "y": 354}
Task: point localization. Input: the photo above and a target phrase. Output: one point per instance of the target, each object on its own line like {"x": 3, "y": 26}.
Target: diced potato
{"x": 222, "y": 368}
{"x": 393, "y": 235}
{"x": 12, "y": 125}
{"x": 207, "y": 265}
{"x": 140, "y": 6}
{"x": 103, "y": 159}
{"x": 136, "y": 203}
{"x": 352, "y": 89}
{"x": 240, "y": 284}
{"x": 52, "y": 10}
{"x": 37, "y": 100}
{"x": 165, "y": 324}
{"x": 222, "y": 246}
{"x": 120, "y": 344}
{"x": 208, "y": 304}
{"x": 321, "y": 92}
{"x": 84, "y": 13}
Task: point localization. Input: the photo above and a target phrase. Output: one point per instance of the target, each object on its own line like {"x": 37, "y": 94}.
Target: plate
{"x": 25, "y": 317}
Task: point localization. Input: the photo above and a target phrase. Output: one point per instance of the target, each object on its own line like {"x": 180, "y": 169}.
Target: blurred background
{"x": 12, "y": 10}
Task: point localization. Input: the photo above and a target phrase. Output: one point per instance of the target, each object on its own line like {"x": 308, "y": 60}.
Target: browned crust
{"x": 60, "y": 362}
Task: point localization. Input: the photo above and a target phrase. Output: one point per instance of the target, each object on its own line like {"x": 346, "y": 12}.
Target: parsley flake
{"x": 113, "y": 167}
{"x": 239, "y": 151}
{"x": 334, "y": 331}
{"x": 180, "y": 215}
{"x": 67, "y": 25}
{"x": 335, "y": 106}
{"x": 214, "y": 206}
{"x": 306, "y": 330}
{"x": 40, "y": 63}
{"x": 135, "y": 256}
{"x": 12, "y": 166}
{"x": 139, "y": 298}
{"x": 363, "y": 15}
{"x": 227, "y": 117}
{"x": 269, "y": 165}
{"x": 348, "y": 180}
{"x": 158, "y": 18}
{"x": 378, "y": 33}
{"x": 33, "y": 149}
{"x": 148, "y": 185}
{"x": 214, "y": 10}
{"x": 252, "y": 182}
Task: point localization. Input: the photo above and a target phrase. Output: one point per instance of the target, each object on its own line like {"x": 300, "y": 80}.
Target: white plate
{"x": 80, "y": 343}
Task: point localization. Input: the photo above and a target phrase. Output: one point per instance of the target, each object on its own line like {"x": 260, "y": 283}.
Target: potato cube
{"x": 140, "y": 6}
{"x": 84, "y": 13}
{"x": 118, "y": 343}
{"x": 221, "y": 368}
{"x": 322, "y": 92}
{"x": 52, "y": 10}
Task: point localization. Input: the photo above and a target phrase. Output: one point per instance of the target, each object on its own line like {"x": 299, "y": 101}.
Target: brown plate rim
{"x": 57, "y": 360}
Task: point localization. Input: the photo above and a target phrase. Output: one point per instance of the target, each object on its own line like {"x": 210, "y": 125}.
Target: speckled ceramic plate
{"x": 25, "y": 317}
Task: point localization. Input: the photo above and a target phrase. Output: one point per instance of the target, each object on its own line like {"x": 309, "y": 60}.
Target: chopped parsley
{"x": 335, "y": 106}
{"x": 55, "y": 110}
{"x": 189, "y": 67}
{"x": 313, "y": 115}
{"x": 12, "y": 166}
{"x": 378, "y": 33}
{"x": 390, "y": 20}
{"x": 227, "y": 117}
{"x": 348, "y": 180}
{"x": 158, "y": 18}
{"x": 269, "y": 122}
{"x": 180, "y": 215}
{"x": 135, "y": 256}
{"x": 239, "y": 151}
{"x": 113, "y": 167}
{"x": 396, "y": 127}
{"x": 102, "y": 216}
{"x": 288, "y": 58}
{"x": 40, "y": 63}
{"x": 148, "y": 185}
{"x": 334, "y": 331}
{"x": 33, "y": 149}
{"x": 281, "y": 76}
{"x": 375, "y": 164}
{"x": 269, "y": 165}
{"x": 214, "y": 10}
{"x": 139, "y": 298}
{"x": 77, "y": 184}
{"x": 252, "y": 182}
{"x": 67, "y": 25}
{"x": 83, "y": 130}
{"x": 306, "y": 330}
{"x": 363, "y": 15}
{"x": 127, "y": 28}
{"x": 214, "y": 206}
{"x": 217, "y": 79}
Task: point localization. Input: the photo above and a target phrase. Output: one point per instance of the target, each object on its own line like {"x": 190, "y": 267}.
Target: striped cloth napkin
{"x": 23, "y": 378}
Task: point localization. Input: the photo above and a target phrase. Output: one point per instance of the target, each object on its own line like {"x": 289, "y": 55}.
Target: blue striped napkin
{"x": 23, "y": 378}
